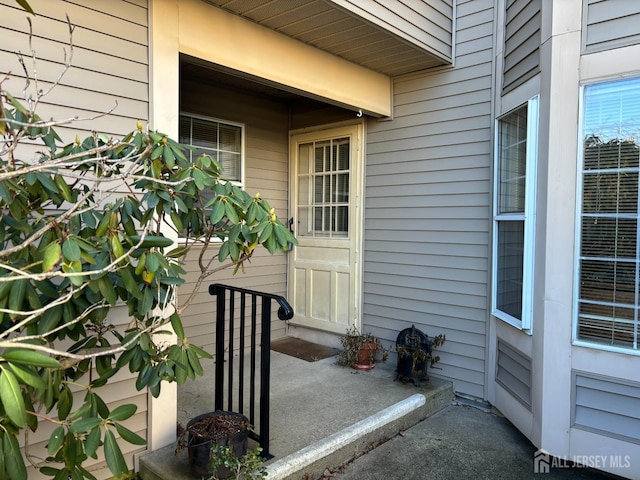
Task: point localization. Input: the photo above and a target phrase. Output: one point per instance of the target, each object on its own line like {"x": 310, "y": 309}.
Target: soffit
{"x": 339, "y": 32}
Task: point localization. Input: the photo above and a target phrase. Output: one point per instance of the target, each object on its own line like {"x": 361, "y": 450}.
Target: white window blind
{"x": 223, "y": 141}
{"x": 608, "y": 248}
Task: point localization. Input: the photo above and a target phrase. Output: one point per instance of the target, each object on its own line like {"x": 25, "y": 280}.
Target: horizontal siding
{"x": 522, "y": 34}
{"x": 427, "y": 206}
{"x": 606, "y": 405}
{"x": 513, "y": 372}
{"x": 610, "y": 24}
{"x": 109, "y": 65}
{"x": 266, "y": 163}
{"x": 425, "y": 23}
{"x": 109, "y": 71}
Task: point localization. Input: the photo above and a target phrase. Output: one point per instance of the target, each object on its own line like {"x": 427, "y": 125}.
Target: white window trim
{"x": 529, "y": 217}
{"x": 578, "y": 236}
{"x": 242, "y": 126}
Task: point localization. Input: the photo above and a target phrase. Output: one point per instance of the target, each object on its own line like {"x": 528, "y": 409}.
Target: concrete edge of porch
{"x": 336, "y": 449}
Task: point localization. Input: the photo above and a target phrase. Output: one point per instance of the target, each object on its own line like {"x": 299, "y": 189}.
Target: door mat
{"x": 302, "y": 349}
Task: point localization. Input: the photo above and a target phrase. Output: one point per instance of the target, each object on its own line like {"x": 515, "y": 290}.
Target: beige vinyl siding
{"x": 610, "y": 24}
{"x": 427, "y": 205}
{"x": 266, "y": 164}
{"x": 109, "y": 61}
{"x": 109, "y": 66}
{"x": 425, "y": 23}
{"x": 523, "y": 20}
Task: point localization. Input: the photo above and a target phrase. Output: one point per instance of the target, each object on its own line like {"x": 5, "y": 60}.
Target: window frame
{"x": 580, "y": 173}
{"x": 528, "y": 217}
{"x": 241, "y": 182}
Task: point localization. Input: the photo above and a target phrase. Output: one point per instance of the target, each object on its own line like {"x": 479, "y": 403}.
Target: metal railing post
{"x": 285, "y": 312}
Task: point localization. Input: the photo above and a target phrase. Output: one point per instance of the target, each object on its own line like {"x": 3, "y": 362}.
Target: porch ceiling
{"x": 325, "y": 25}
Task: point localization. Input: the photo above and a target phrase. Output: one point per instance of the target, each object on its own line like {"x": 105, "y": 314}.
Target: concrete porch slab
{"x": 322, "y": 414}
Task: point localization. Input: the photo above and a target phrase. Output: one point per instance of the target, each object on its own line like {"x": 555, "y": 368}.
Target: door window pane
{"x": 323, "y": 188}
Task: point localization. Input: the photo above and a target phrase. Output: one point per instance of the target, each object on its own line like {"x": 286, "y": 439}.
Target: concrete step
{"x": 333, "y": 449}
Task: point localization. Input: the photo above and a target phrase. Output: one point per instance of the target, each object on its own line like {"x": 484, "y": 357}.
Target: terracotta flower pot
{"x": 366, "y": 357}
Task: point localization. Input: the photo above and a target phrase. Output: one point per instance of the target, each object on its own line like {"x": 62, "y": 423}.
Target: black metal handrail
{"x": 236, "y": 319}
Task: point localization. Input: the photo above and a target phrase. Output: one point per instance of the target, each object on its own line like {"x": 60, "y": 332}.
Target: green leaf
{"x": 223, "y": 253}
{"x": 65, "y": 402}
{"x": 107, "y": 290}
{"x": 16, "y": 298}
{"x": 11, "y": 397}
{"x": 2, "y": 469}
{"x": 50, "y": 319}
{"x": 27, "y": 375}
{"x": 122, "y": 412}
{"x": 194, "y": 362}
{"x": 176, "y": 324}
{"x": 25, "y": 5}
{"x": 14, "y": 465}
{"x": 55, "y": 440}
{"x": 130, "y": 436}
{"x": 157, "y": 152}
{"x": 182, "y": 373}
{"x": 113, "y": 455}
{"x": 151, "y": 241}
{"x": 71, "y": 250}
{"x": 230, "y": 211}
{"x": 51, "y": 257}
{"x": 199, "y": 179}
{"x": 202, "y": 353}
{"x": 85, "y": 424}
{"x": 30, "y": 357}
{"x": 169, "y": 159}
{"x": 130, "y": 283}
{"x": 177, "y": 221}
{"x": 92, "y": 442}
{"x": 152, "y": 262}
{"x": 217, "y": 212}
{"x": 266, "y": 233}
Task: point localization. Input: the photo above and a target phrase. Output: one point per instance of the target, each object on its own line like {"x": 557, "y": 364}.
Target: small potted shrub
{"x": 358, "y": 349}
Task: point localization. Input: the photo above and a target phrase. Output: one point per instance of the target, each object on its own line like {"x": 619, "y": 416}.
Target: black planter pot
{"x": 199, "y": 443}
{"x": 414, "y": 350}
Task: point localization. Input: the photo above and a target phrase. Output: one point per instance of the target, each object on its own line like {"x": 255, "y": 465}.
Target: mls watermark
{"x": 543, "y": 462}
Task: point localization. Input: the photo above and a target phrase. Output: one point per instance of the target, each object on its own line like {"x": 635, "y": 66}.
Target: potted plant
{"x": 207, "y": 434}
{"x": 248, "y": 467}
{"x": 358, "y": 349}
{"x": 415, "y": 354}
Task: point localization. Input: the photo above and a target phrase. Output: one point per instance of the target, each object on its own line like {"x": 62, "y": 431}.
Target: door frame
{"x": 357, "y": 169}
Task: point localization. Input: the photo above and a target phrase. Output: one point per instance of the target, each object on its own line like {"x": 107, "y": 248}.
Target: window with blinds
{"x": 223, "y": 141}
{"x": 608, "y": 248}
{"x": 514, "y": 201}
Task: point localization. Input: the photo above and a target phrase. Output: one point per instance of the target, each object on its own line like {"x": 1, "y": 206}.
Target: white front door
{"x": 325, "y": 266}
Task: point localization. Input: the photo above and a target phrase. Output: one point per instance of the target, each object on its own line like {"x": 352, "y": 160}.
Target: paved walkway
{"x": 459, "y": 442}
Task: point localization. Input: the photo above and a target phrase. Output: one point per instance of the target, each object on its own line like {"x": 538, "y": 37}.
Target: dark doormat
{"x": 302, "y": 349}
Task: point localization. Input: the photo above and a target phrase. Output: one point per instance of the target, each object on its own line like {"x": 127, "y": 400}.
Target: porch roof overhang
{"x": 338, "y": 51}
{"x": 393, "y": 37}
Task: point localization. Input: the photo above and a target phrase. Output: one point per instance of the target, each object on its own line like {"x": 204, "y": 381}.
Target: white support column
{"x": 164, "y": 84}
